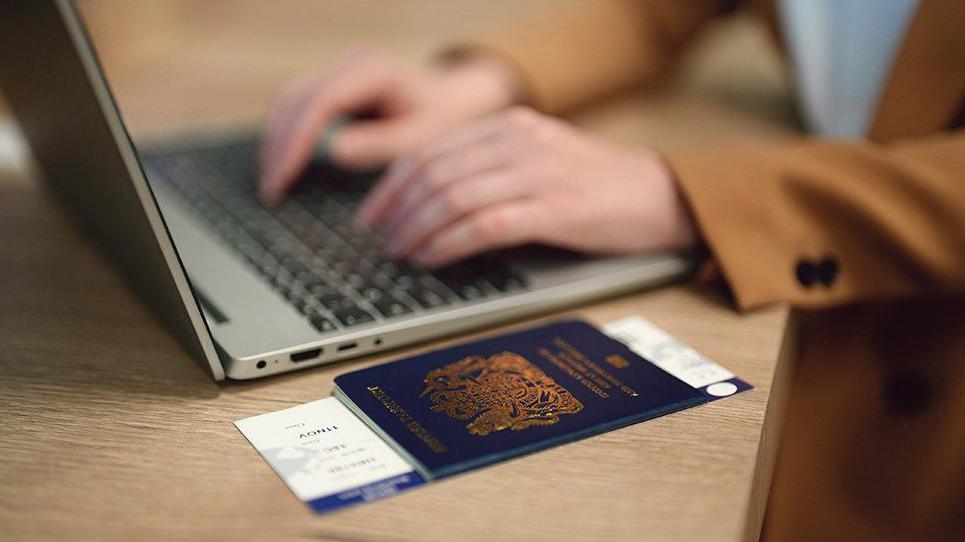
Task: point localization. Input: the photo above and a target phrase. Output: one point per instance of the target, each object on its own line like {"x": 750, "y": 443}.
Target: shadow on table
{"x": 67, "y": 319}
{"x": 68, "y": 322}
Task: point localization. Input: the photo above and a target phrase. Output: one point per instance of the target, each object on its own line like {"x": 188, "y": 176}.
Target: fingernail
{"x": 361, "y": 221}
{"x": 267, "y": 179}
{"x": 364, "y": 215}
{"x": 394, "y": 248}
{"x": 269, "y": 197}
{"x": 389, "y": 223}
{"x": 264, "y": 194}
{"x": 423, "y": 257}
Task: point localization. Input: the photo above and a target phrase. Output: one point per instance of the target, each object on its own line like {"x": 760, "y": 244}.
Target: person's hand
{"x": 518, "y": 177}
{"x": 412, "y": 106}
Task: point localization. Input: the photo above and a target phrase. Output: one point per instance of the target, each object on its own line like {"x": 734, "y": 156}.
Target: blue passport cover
{"x": 470, "y": 405}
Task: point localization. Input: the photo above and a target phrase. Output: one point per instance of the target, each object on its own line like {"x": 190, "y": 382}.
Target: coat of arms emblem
{"x": 503, "y": 391}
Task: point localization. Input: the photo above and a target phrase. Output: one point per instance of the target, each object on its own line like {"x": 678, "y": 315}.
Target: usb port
{"x": 305, "y": 355}
{"x": 347, "y": 346}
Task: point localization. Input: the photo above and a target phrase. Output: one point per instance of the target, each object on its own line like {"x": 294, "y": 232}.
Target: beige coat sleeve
{"x": 891, "y": 217}
{"x": 592, "y": 48}
{"x": 853, "y": 220}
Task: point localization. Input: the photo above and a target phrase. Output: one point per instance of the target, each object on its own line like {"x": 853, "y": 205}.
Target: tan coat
{"x": 867, "y": 239}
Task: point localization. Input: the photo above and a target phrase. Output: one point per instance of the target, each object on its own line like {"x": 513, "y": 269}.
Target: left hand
{"x": 520, "y": 177}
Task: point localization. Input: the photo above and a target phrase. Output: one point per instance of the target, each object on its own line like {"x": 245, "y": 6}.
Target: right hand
{"x": 413, "y": 106}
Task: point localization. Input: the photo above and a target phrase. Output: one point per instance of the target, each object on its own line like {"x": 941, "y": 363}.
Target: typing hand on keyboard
{"x": 520, "y": 177}
{"x": 412, "y": 106}
{"x": 309, "y": 249}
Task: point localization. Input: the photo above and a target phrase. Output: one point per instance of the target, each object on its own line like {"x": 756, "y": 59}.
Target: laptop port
{"x": 305, "y": 355}
{"x": 347, "y": 346}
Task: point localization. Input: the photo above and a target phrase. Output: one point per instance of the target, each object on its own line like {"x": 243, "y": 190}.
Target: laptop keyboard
{"x": 309, "y": 249}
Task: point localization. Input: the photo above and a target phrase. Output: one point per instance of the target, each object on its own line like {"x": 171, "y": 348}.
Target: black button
{"x": 906, "y": 392}
{"x": 828, "y": 271}
{"x": 806, "y": 272}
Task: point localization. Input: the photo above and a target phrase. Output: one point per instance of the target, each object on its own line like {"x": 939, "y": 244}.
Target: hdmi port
{"x": 347, "y": 346}
{"x": 305, "y": 355}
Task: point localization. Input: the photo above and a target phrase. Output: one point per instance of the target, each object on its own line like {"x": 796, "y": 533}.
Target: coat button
{"x": 827, "y": 271}
{"x": 906, "y": 392}
{"x": 806, "y": 272}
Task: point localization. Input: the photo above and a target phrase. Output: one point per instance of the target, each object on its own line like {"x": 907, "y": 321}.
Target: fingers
{"x": 512, "y": 223}
{"x": 302, "y": 114}
{"x": 284, "y": 112}
{"x": 447, "y": 174}
{"x": 366, "y": 144}
{"x": 474, "y": 190}
{"x": 449, "y": 205}
{"x": 434, "y": 166}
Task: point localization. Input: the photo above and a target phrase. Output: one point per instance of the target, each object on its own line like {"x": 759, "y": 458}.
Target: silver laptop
{"x": 253, "y": 291}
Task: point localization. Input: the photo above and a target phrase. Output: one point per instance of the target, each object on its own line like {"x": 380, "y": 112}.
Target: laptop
{"x": 253, "y": 291}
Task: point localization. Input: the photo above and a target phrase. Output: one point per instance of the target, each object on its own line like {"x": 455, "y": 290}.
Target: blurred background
{"x": 182, "y": 63}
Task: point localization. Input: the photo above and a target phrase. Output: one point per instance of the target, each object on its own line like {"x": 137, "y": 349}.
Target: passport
{"x": 467, "y": 406}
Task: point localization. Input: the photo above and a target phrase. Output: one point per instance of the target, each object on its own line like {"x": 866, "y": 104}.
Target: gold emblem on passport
{"x": 617, "y": 361}
{"x": 503, "y": 391}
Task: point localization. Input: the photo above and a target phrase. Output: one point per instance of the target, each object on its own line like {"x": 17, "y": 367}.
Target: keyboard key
{"x": 428, "y": 297}
{"x": 321, "y": 323}
{"x": 306, "y": 305}
{"x": 360, "y": 281}
{"x": 351, "y": 316}
{"x": 308, "y": 278}
{"x": 470, "y": 292}
{"x": 389, "y": 306}
{"x": 508, "y": 282}
{"x": 329, "y": 297}
{"x": 309, "y": 249}
{"x": 464, "y": 283}
{"x": 390, "y": 268}
{"x": 372, "y": 294}
{"x": 297, "y": 292}
{"x": 294, "y": 265}
{"x": 268, "y": 266}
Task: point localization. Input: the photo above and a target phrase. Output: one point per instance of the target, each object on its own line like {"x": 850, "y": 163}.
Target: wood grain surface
{"x": 109, "y": 431}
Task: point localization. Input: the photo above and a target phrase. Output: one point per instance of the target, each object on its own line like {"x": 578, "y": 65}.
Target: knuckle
{"x": 522, "y": 117}
{"x": 434, "y": 175}
{"x": 395, "y": 169}
{"x": 490, "y": 226}
{"x": 454, "y": 201}
{"x": 532, "y": 128}
{"x": 421, "y": 155}
{"x": 546, "y": 132}
{"x": 545, "y": 168}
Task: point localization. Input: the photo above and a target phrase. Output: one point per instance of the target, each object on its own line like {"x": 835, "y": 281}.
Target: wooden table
{"x": 108, "y": 430}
